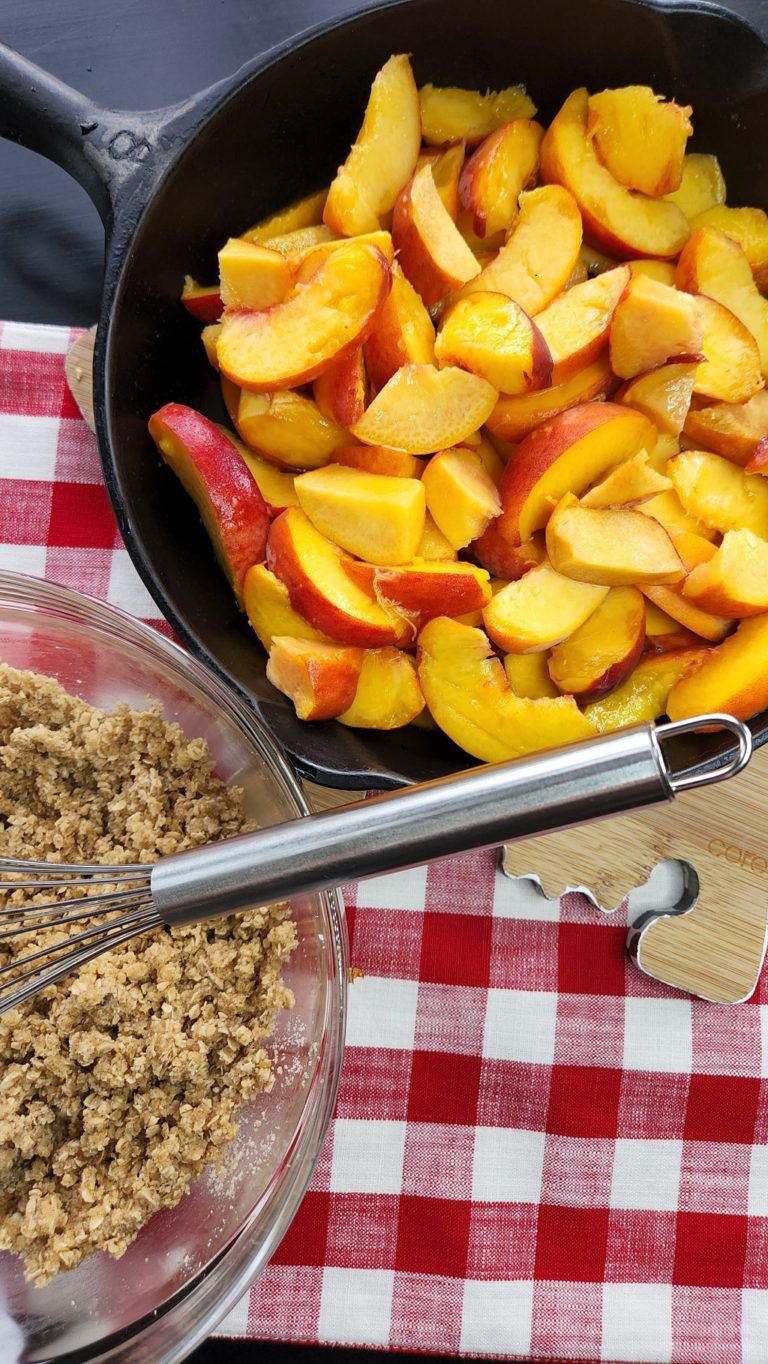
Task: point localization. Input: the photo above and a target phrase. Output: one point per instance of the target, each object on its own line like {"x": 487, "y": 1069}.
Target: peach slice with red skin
{"x": 312, "y": 569}
{"x": 663, "y": 394}
{"x": 288, "y": 429}
{"x": 383, "y": 155}
{"x": 567, "y": 454}
{"x": 388, "y": 694}
{"x": 431, "y": 250}
{"x": 730, "y": 371}
{"x": 719, "y": 493}
{"x": 320, "y": 679}
{"x": 538, "y": 258}
{"x": 304, "y": 212}
{"x": 461, "y": 497}
{"x": 733, "y": 430}
{"x": 222, "y": 486}
{"x": 663, "y": 633}
{"x": 307, "y": 262}
{"x": 749, "y": 227}
{"x": 268, "y": 607}
{"x": 468, "y": 695}
{"x": 539, "y": 610}
{"x": 643, "y": 696}
{"x": 490, "y": 335}
{"x": 452, "y": 114}
{"x": 275, "y": 485}
{"x": 496, "y": 174}
{"x": 422, "y": 409}
{"x": 319, "y": 322}
{"x": 446, "y": 171}
{"x": 340, "y": 391}
{"x": 504, "y": 560}
{"x": 577, "y": 325}
{"x": 404, "y": 333}
{"x": 734, "y": 582}
{"x": 514, "y": 418}
{"x": 424, "y": 590}
{"x": 528, "y": 675}
{"x": 616, "y": 547}
{"x": 252, "y": 275}
{"x": 671, "y": 598}
{"x": 378, "y": 518}
{"x": 733, "y": 677}
{"x": 640, "y": 138}
{"x": 701, "y": 187}
{"x": 203, "y": 301}
{"x": 631, "y": 482}
{"x": 619, "y": 220}
{"x": 714, "y": 264}
{"x": 377, "y": 459}
{"x": 597, "y": 657}
{"x": 652, "y": 324}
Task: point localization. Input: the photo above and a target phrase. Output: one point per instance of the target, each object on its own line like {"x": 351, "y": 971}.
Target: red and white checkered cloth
{"x": 537, "y": 1151}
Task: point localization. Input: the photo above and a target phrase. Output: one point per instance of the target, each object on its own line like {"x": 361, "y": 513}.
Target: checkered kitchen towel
{"x": 537, "y": 1151}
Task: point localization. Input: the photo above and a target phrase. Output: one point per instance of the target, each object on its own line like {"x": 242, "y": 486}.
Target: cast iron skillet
{"x": 172, "y": 184}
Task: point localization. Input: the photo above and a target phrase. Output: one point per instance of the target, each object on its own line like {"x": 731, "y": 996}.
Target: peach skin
{"x": 377, "y": 459}
{"x": 734, "y": 582}
{"x": 211, "y": 470}
{"x": 311, "y": 568}
{"x": 640, "y": 138}
{"x": 388, "y": 694}
{"x": 307, "y": 262}
{"x": 288, "y": 429}
{"x": 501, "y": 558}
{"x": 340, "y": 391}
{"x": 652, "y": 324}
{"x": 664, "y": 395}
{"x": 597, "y": 657}
{"x": 631, "y": 482}
{"x": 567, "y": 454}
{"x": 203, "y": 301}
{"x": 451, "y": 114}
{"x": 733, "y": 430}
{"x": 514, "y": 418}
{"x": 732, "y": 678}
{"x": 701, "y": 187}
{"x": 296, "y": 340}
{"x": 378, "y": 518}
{"x": 383, "y": 155}
{"x": 269, "y": 611}
{"x": 320, "y": 679}
{"x": 614, "y": 547}
{"x": 252, "y": 276}
{"x": 619, "y": 220}
{"x": 461, "y": 498}
{"x": 528, "y": 675}
{"x": 468, "y": 695}
{"x": 404, "y": 333}
{"x": 431, "y": 250}
{"x": 539, "y": 610}
{"x": 422, "y": 409}
{"x": 720, "y": 494}
{"x": 490, "y": 335}
{"x": 577, "y": 325}
{"x": 275, "y": 485}
{"x": 496, "y": 174}
{"x": 643, "y": 696}
{"x": 714, "y": 264}
{"x": 424, "y": 590}
{"x": 538, "y": 258}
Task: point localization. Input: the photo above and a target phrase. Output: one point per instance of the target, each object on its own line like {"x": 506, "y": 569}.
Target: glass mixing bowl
{"x": 191, "y": 1263}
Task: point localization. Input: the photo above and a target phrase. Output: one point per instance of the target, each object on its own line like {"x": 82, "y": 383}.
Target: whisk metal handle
{"x": 481, "y": 808}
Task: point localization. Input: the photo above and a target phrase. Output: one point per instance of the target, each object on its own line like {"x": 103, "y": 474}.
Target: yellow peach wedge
{"x": 514, "y": 418}
{"x": 388, "y": 694}
{"x": 615, "y": 547}
{"x": 377, "y": 459}
{"x": 538, "y": 258}
{"x": 374, "y": 516}
{"x": 734, "y": 582}
{"x": 422, "y": 590}
{"x": 451, "y": 114}
{"x": 275, "y": 485}
{"x": 422, "y": 409}
{"x": 644, "y": 695}
{"x": 269, "y": 611}
{"x": 461, "y": 497}
{"x": 667, "y": 508}
{"x": 404, "y": 333}
{"x": 576, "y": 326}
{"x": 496, "y": 174}
{"x": 732, "y": 678}
{"x": 702, "y": 185}
{"x": 320, "y": 679}
{"x": 640, "y": 138}
{"x": 653, "y": 323}
{"x": 539, "y": 610}
{"x": 714, "y": 264}
{"x": 749, "y": 227}
{"x": 733, "y": 430}
{"x": 252, "y": 276}
{"x": 305, "y": 212}
{"x": 528, "y": 675}
{"x": 490, "y": 335}
{"x": 663, "y": 633}
{"x": 431, "y": 250}
{"x": 340, "y": 391}
{"x": 288, "y": 429}
{"x": 446, "y": 173}
{"x": 664, "y": 395}
{"x": 597, "y": 657}
{"x": 720, "y": 494}
{"x": 627, "y": 484}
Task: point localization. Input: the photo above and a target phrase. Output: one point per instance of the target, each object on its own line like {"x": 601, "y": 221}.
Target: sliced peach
{"x": 210, "y": 339}
{"x": 433, "y": 545}
{"x": 643, "y": 696}
{"x": 379, "y": 518}
{"x": 252, "y": 276}
{"x": 732, "y": 678}
{"x": 203, "y": 301}
{"x": 483, "y": 248}
{"x": 431, "y": 250}
{"x": 528, "y": 675}
{"x": 749, "y": 227}
{"x": 577, "y": 325}
{"x": 275, "y": 485}
{"x": 424, "y": 590}
{"x": 288, "y": 429}
{"x": 421, "y": 409}
{"x": 296, "y": 340}
{"x": 467, "y": 692}
{"x": 312, "y": 569}
{"x": 702, "y": 185}
{"x": 377, "y": 459}
{"x": 383, "y": 155}
{"x": 663, "y": 633}
{"x": 733, "y": 430}
{"x": 305, "y": 212}
{"x": 640, "y": 138}
{"x": 734, "y": 582}
{"x": 667, "y": 508}
{"x": 503, "y": 560}
{"x": 568, "y": 453}
{"x": 539, "y": 610}
{"x": 631, "y": 482}
{"x": 615, "y": 547}
{"x": 663, "y": 394}
{"x": 301, "y": 239}
{"x": 268, "y": 607}
{"x": 538, "y": 258}
{"x": 222, "y": 486}
{"x": 758, "y": 464}
{"x": 514, "y": 418}
{"x": 404, "y": 333}
{"x": 340, "y": 391}
{"x": 446, "y": 172}
{"x": 597, "y": 657}
{"x": 461, "y": 498}
{"x": 661, "y": 270}
{"x": 673, "y": 602}
{"x": 486, "y": 452}
{"x": 496, "y": 174}
{"x": 490, "y": 335}
{"x": 653, "y": 323}
{"x": 306, "y": 263}
{"x": 320, "y": 679}
{"x": 388, "y": 694}
{"x": 621, "y": 221}
{"x": 731, "y": 370}
{"x": 718, "y": 493}
{"x": 714, "y": 264}
{"x": 450, "y": 114}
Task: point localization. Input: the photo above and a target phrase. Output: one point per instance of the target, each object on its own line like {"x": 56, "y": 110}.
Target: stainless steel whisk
{"x": 480, "y": 808}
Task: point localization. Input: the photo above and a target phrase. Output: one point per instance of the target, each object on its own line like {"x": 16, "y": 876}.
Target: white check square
{"x": 754, "y": 1325}
{"x": 518, "y": 898}
{"x": 28, "y": 447}
{"x": 396, "y": 890}
{"x": 382, "y": 1013}
{"x": 351, "y": 1298}
{"x": 24, "y": 559}
{"x": 658, "y": 1035}
{"x": 507, "y": 1165}
{"x": 646, "y": 1174}
{"x": 126, "y": 590}
{"x": 758, "y": 1182}
{"x": 35, "y": 336}
{"x": 367, "y": 1156}
{"x": 497, "y": 1316}
{"x": 520, "y": 1026}
{"x": 637, "y": 1322}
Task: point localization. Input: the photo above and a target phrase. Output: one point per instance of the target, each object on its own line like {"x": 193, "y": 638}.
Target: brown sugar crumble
{"x": 122, "y": 1082}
